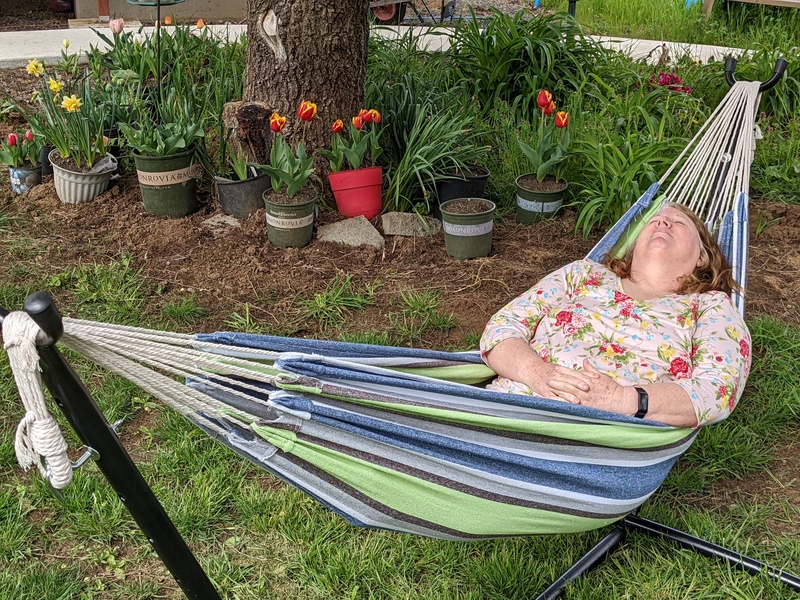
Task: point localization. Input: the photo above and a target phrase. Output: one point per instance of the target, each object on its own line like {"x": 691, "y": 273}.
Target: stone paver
{"x": 357, "y": 231}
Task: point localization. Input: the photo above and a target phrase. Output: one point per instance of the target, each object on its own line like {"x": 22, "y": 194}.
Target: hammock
{"x": 406, "y": 439}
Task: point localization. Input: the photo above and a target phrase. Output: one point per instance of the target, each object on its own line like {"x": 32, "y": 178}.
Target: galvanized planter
{"x": 73, "y": 186}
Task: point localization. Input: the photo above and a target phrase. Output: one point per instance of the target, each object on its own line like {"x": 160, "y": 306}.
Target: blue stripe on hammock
{"x": 603, "y": 481}
{"x": 329, "y": 348}
{"x": 309, "y": 367}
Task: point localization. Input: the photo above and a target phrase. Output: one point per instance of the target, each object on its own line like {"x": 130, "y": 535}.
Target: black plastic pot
{"x": 44, "y": 160}
{"x": 470, "y": 184}
{"x": 241, "y": 198}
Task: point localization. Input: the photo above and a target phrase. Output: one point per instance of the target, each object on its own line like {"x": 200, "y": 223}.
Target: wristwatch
{"x": 643, "y": 402}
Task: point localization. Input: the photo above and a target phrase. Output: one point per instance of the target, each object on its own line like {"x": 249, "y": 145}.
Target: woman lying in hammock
{"x": 652, "y": 334}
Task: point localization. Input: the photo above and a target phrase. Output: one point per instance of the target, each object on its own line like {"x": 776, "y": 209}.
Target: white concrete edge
{"x": 19, "y": 47}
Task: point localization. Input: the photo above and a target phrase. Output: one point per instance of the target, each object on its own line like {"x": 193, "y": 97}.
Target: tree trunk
{"x": 307, "y": 50}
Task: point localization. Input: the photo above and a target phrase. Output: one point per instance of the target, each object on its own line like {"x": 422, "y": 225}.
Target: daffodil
{"x": 55, "y": 85}
{"x": 71, "y": 103}
{"x": 35, "y": 68}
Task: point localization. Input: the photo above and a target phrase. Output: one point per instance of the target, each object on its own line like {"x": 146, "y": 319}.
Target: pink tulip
{"x": 12, "y": 139}
{"x": 29, "y": 135}
{"x": 116, "y": 26}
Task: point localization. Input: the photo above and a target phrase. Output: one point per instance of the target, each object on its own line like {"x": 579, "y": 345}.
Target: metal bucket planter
{"x": 74, "y": 186}
{"x": 290, "y": 225}
{"x": 25, "y": 177}
{"x": 536, "y": 205}
{"x": 167, "y": 183}
{"x": 466, "y": 184}
{"x": 242, "y": 197}
{"x": 467, "y": 224}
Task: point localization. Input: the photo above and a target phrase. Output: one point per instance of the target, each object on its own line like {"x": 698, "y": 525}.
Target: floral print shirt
{"x": 697, "y": 341}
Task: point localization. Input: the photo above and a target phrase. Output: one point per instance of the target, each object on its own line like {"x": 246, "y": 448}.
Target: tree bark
{"x": 307, "y": 50}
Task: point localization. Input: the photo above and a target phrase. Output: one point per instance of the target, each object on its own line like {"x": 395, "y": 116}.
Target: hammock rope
{"x": 38, "y": 439}
{"x": 718, "y": 168}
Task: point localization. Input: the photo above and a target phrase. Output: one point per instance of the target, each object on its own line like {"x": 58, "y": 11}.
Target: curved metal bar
{"x": 780, "y": 68}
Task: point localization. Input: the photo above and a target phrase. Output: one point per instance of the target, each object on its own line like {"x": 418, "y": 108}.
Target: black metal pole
{"x": 587, "y": 562}
{"x": 571, "y": 8}
{"x": 706, "y": 548}
{"x": 114, "y": 462}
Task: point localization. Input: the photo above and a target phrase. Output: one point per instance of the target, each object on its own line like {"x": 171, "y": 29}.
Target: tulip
{"x": 116, "y": 25}
{"x": 549, "y": 109}
{"x": 544, "y": 99}
{"x": 365, "y": 116}
{"x": 29, "y": 135}
{"x": 276, "y": 122}
{"x": 375, "y": 116}
{"x": 65, "y": 43}
{"x": 307, "y": 111}
{"x": 12, "y": 139}
{"x": 562, "y": 119}
{"x": 337, "y": 126}
{"x": 167, "y": 20}
{"x": 200, "y": 23}
{"x": 358, "y": 123}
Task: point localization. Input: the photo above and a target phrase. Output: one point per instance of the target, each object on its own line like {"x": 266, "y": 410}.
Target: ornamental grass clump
{"x": 547, "y": 152}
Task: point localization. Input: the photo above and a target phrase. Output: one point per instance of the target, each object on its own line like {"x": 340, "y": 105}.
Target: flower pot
{"x": 465, "y": 184}
{"x": 75, "y": 186}
{"x": 358, "y": 191}
{"x": 536, "y": 202}
{"x": 25, "y": 177}
{"x": 44, "y": 160}
{"x": 289, "y": 225}
{"x": 241, "y": 198}
{"x": 467, "y": 224}
{"x": 168, "y": 185}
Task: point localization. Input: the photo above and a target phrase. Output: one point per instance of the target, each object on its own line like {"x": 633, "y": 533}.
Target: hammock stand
{"x": 322, "y": 367}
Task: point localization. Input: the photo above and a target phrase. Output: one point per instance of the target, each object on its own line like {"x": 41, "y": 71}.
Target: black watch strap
{"x": 644, "y": 400}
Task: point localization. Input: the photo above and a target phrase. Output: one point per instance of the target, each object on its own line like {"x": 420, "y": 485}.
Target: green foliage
{"x": 510, "y": 58}
{"x": 330, "y": 307}
{"x": 288, "y": 168}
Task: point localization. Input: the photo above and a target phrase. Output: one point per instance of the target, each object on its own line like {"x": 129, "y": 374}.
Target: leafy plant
{"x": 549, "y": 150}
{"x": 20, "y": 148}
{"x": 362, "y": 136}
{"x": 174, "y": 128}
{"x": 71, "y": 117}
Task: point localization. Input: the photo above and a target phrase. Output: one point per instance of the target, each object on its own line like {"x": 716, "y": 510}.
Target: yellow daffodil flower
{"x": 71, "y": 103}
{"x": 35, "y": 68}
{"x": 55, "y": 85}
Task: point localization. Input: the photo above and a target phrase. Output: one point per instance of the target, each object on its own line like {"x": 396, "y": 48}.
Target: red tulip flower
{"x": 337, "y": 126}
{"x": 375, "y": 116}
{"x": 358, "y": 123}
{"x": 550, "y": 108}
{"x": 562, "y": 119}
{"x": 544, "y": 99}
{"x": 12, "y": 139}
{"x": 307, "y": 111}
{"x": 29, "y": 135}
{"x": 276, "y": 122}
{"x": 364, "y": 115}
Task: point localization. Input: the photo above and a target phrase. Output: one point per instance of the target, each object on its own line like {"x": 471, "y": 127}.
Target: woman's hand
{"x": 590, "y": 387}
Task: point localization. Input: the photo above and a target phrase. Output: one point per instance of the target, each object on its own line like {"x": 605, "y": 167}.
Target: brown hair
{"x": 715, "y": 273}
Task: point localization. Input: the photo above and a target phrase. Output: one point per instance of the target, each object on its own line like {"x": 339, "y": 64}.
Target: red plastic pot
{"x": 358, "y": 192}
